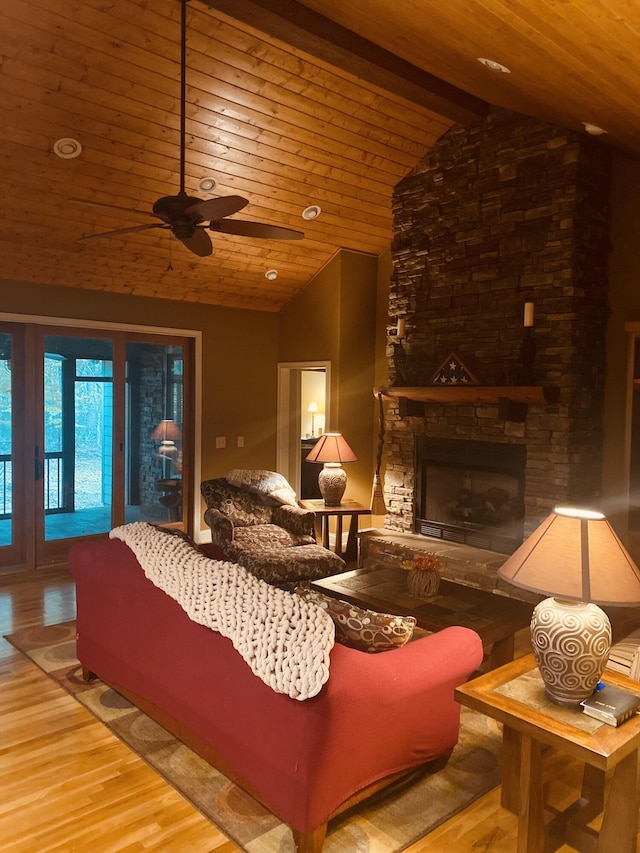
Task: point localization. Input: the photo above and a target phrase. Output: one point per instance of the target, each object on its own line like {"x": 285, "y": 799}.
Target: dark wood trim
{"x": 302, "y": 28}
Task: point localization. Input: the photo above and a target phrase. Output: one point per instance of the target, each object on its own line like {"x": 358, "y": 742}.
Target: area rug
{"x": 387, "y": 824}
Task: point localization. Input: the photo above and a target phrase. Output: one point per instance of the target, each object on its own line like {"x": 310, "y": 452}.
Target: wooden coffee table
{"x": 514, "y": 695}
{"x": 495, "y": 618}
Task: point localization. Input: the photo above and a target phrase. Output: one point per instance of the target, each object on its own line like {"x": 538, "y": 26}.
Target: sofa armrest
{"x": 221, "y": 526}
{"x": 295, "y": 519}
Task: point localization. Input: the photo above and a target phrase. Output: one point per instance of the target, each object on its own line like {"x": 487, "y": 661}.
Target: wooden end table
{"x": 324, "y": 513}
{"x": 495, "y": 618}
{"x": 514, "y": 695}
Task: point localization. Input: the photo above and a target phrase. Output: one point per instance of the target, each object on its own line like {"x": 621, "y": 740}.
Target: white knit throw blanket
{"x": 285, "y": 640}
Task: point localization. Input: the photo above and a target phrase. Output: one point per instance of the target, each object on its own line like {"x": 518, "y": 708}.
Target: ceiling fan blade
{"x": 200, "y": 243}
{"x": 242, "y": 228}
{"x": 110, "y": 207}
{"x": 217, "y": 208}
{"x": 119, "y": 231}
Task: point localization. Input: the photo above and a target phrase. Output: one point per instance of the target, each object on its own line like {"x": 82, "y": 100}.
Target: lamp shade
{"x": 331, "y": 448}
{"x": 167, "y": 430}
{"x": 313, "y": 408}
{"x": 575, "y": 555}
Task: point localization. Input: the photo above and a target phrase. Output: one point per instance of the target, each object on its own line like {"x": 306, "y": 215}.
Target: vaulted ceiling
{"x": 289, "y": 104}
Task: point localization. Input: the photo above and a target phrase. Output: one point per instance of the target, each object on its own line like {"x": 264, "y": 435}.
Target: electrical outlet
{"x": 240, "y": 441}
{"x": 221, "y": 442}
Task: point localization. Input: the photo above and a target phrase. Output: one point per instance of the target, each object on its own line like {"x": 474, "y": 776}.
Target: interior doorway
{"x": 304, "y": 414}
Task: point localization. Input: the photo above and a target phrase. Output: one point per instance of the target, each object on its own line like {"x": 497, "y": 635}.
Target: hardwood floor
{"x": 69, "y": 785}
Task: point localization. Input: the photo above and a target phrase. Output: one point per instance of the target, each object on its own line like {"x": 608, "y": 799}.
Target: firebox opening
{"x": 471, "y": 492}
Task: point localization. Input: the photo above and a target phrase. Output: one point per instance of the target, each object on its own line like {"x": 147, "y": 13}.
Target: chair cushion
{"x": 266, "y": 536}
{"x": 275, "y": 565}
{"x": 362, "y": 629}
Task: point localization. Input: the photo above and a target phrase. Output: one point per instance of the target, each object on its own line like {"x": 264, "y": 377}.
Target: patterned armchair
{"x": 273, "y": 540}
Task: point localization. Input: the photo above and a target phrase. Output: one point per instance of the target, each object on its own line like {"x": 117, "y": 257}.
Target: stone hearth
{"x": 469, "y": 566}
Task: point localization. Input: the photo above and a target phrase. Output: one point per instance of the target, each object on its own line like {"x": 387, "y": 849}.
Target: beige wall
{"x": 334, "y": 319}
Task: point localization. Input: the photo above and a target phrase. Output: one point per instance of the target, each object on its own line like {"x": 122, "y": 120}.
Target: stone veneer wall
{"x": 505, "y": 212}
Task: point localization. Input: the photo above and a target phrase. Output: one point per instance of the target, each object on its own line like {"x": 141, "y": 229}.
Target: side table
{"x": 514, "y": 695}
{"x": 324, "y": 513}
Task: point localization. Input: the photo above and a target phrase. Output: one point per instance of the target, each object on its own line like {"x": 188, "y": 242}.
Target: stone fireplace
{"x": 499, "y": 214}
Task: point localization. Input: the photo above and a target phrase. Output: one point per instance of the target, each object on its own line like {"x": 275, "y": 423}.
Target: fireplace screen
{"x": 471, "y": 492}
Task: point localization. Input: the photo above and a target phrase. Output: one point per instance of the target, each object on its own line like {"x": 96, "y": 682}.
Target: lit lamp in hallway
{"x": 576, "y": 557}
{"x": 332, "y": 450}
{"x": 313, "y": 411}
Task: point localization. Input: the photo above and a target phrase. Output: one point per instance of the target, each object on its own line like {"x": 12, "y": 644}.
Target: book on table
{"x": 611, "y": 705}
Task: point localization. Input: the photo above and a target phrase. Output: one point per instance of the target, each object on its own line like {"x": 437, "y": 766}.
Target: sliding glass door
{"x": 93, "y": 434}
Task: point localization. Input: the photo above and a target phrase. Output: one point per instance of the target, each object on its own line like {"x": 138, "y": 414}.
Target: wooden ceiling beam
{"x": 322, "y": 38}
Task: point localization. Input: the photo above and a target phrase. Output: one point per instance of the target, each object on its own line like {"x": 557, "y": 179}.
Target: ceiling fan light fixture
{"x": 492, "y": 65}
{"x": 593, "y": 129}
{"x": 272, "y": 275}
{"x": 312, "y": 212}
{"x": 67, "y": 148}
{"x": 206, "y": 184}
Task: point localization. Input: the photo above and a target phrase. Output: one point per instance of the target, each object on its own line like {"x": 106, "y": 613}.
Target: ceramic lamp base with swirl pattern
{"x": 571, "y": 643}
{"x": 332, "y": 482}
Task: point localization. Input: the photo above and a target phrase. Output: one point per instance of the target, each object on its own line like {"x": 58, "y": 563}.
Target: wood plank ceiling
{"x": 288, "y": 104}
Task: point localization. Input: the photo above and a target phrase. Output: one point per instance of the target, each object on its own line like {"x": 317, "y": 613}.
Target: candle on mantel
{"x": 400, "y": 327}
{"x": 528, "y": 314}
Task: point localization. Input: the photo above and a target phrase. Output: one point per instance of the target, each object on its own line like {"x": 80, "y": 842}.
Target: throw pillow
{"x": 362, "y": 629}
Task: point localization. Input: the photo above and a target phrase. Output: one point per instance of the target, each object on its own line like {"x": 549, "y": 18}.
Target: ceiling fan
{"x": 184, "y": 215}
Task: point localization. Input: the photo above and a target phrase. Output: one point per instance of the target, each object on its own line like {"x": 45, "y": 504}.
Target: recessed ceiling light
{"x": 272, "y": 275}
{"x": 67, "y": 148}
{"x": 312, "y": 212}
{"x": 593, "y": 129}
{"x": 207, "y": 184}
{"x": 492, "y": 65}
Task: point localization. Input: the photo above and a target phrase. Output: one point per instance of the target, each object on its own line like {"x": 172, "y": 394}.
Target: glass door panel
{"x": 154, "y": 418}
{"x": 6, "y": 442}
{"x": 76, "y": 465}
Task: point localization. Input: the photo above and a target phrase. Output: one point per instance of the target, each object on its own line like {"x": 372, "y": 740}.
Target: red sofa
{"x": 378, "y": 716}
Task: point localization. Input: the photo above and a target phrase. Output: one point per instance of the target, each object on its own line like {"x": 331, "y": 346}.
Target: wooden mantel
{"x": 472, "y": 393}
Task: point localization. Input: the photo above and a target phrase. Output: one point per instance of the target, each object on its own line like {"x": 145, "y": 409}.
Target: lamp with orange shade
{"x": 332, "y": 450}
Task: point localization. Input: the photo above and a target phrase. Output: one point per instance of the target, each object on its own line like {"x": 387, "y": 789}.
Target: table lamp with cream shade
{"x": 332, "y": 450}
{"x": 576, "y": 557}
